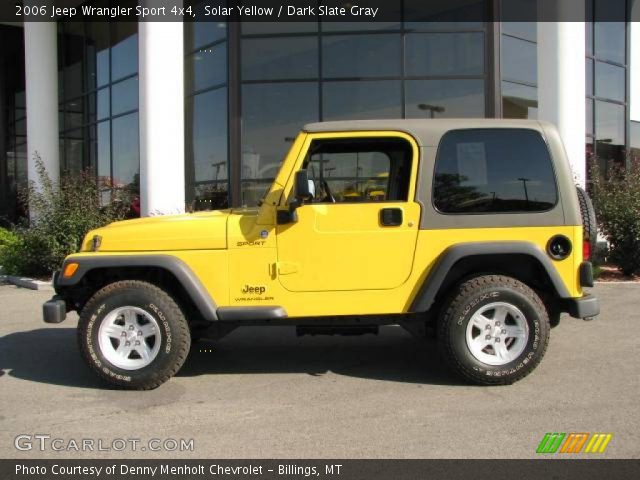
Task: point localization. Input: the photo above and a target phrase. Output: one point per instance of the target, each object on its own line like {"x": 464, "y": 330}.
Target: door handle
{"x": 391, "y": 217}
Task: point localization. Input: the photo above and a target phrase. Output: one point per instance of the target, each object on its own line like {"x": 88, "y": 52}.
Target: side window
{"x": 493, "y": 171}
{"x": 359, "y": 169}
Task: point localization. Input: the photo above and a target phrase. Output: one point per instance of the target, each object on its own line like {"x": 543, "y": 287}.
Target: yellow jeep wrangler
{"x": 476, "y": 233}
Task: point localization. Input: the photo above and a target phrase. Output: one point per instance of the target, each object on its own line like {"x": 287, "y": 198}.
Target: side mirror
{"x": 304, "y": 188}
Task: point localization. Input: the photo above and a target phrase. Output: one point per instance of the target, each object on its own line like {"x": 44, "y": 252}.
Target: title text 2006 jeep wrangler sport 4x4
{"x": 472, "y": 226}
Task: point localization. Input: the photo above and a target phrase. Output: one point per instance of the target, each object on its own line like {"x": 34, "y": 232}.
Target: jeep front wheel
{"x": 133, "y": 335}
{"x": 494, "y": 330}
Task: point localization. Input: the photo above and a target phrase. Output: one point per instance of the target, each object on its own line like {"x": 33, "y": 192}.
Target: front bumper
{"x": 586, "y": 307}
{"x": 54, "y": 310}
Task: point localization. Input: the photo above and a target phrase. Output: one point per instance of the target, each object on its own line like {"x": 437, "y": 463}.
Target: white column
{"x": 161, "y": 75}
{"x": 41, "y": 82}
{"x": 561, "y": 83}
{"x": 634, "y": 65}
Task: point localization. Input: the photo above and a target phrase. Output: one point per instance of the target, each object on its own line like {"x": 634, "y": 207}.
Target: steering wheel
{"x": 328, "y": 196}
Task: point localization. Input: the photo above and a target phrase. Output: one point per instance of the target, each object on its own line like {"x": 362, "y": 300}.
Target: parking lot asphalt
{"x": 265, "y": 393}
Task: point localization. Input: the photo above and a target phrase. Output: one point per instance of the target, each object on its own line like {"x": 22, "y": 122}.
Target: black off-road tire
{"x": 174, "y": 334}
{"x": 588, "y": 214}
{"x": 469, "y": 297}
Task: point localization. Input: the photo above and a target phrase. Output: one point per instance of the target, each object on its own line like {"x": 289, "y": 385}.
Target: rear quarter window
{"x": 493, "y": 171}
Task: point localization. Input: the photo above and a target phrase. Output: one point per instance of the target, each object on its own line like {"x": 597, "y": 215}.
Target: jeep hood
{"x": 194, "y": 231}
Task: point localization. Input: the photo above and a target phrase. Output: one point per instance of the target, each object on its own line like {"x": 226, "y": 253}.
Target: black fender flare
{"x": 180, "y": 270}
{"x": 435, "y": 277}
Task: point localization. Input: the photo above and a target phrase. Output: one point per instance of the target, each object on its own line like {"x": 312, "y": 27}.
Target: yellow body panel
{"x": 335, "y": 260}
{"x": 343, "y": 247}
{"x": 199, "y": 231}
{"x": 257, "y": 266}
{"x": 431, "y": 243}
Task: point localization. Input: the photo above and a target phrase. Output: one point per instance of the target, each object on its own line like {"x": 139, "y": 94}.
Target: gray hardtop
{"x": 427, "y": 132}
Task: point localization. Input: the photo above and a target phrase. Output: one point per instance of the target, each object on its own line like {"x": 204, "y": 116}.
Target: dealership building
{"x": 200, "y": 115}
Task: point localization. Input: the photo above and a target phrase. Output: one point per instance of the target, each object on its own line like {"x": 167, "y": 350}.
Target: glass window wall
{"x": 98, "y": 64}
{"x": 206, "y": 116}
{"x": 430, "y": 65}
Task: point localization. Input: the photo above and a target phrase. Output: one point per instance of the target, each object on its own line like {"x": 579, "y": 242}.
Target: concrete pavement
{"x": 264, "y": 393}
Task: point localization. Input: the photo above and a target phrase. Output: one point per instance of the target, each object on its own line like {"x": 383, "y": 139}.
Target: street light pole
{"x": 431, "y": 109}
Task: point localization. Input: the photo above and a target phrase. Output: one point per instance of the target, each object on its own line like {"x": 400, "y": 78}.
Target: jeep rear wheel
{"x": 493, "y": 330}
{"x": 133, "y": 335}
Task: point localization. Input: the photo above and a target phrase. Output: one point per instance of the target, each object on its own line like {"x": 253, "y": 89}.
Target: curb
{"x": 26, "y": 282}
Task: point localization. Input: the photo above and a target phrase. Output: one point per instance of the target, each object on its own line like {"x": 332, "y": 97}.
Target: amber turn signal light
{"x": 70, "y": 269}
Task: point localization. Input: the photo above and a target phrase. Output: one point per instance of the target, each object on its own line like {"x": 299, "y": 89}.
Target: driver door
{"x": 360, "y": 229}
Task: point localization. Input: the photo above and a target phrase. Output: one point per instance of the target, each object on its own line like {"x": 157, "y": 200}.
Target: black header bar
{"x": 386, "y": 11}
{"x": 333, "y": 469}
